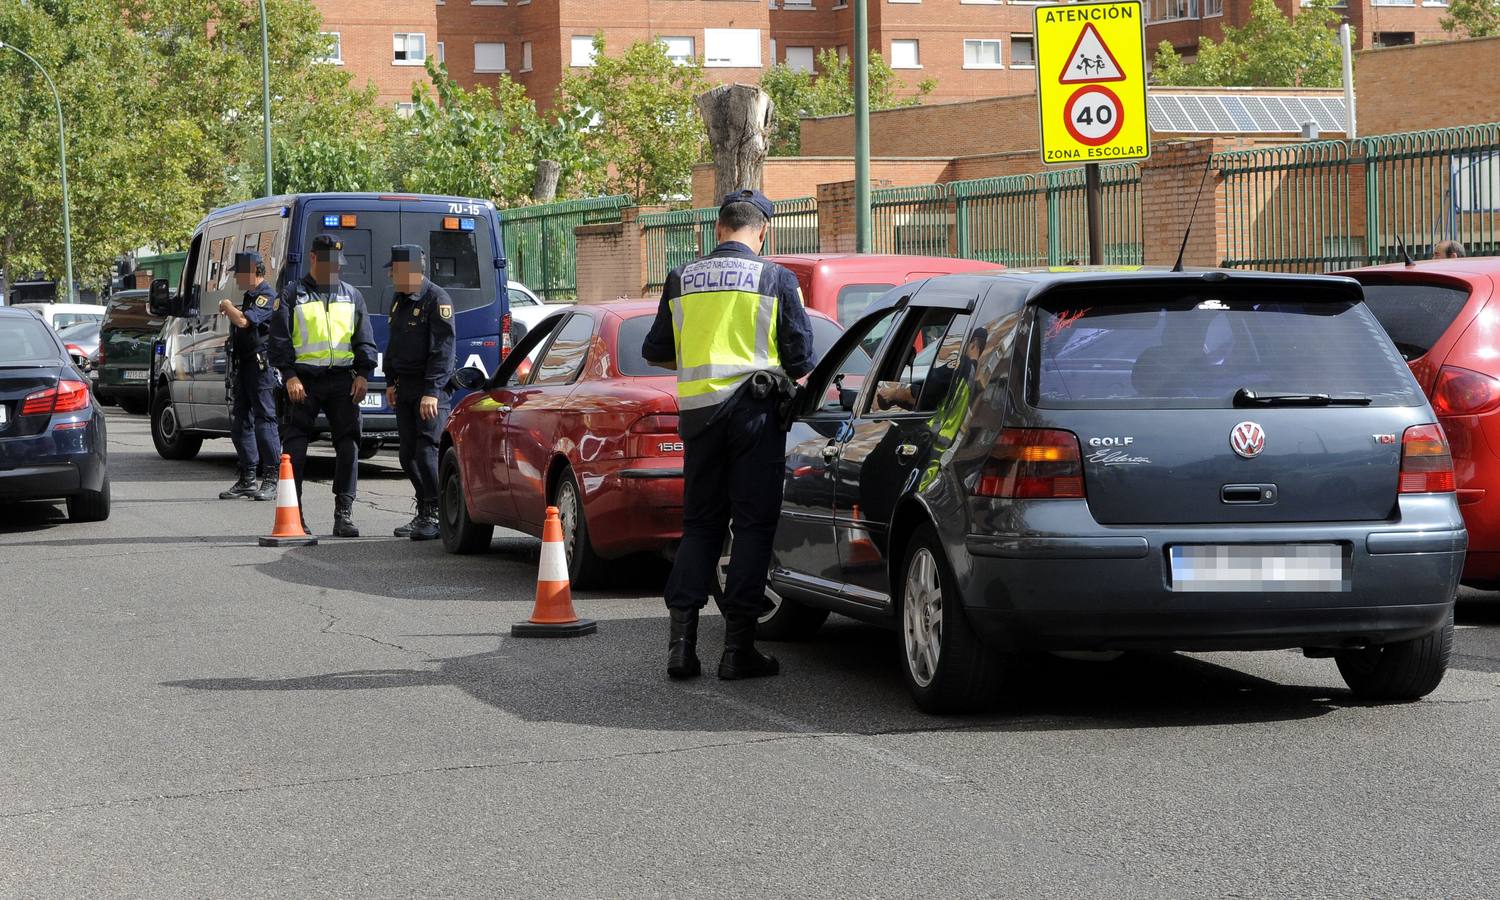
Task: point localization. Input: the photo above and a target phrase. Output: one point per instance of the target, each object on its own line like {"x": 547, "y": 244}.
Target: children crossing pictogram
{"x": 1091, "y": 60}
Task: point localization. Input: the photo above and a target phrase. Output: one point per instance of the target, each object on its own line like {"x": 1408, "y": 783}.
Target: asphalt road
{"x": 185, "y": 714}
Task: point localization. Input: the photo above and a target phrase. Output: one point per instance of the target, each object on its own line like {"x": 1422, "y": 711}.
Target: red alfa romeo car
{"x": 573, "y": 418}
{"x": 1444, "y": 317}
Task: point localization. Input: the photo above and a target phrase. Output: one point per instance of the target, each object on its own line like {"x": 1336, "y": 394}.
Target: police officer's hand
{"x": 295, "y": 392}
{"x": 429, "y": 408}
{"x": 357, "y": 391}
{"x": 226, "y": 305}
{"x": 390, "y": 396}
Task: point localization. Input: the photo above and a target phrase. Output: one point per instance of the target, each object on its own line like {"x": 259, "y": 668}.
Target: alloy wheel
{"x": 722, "y": 573}
{"x": 922, "y": 617}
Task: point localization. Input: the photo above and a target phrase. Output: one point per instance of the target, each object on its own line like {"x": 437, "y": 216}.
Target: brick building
{"x": 1374, "y": 23}
{"x": 383, "y": 43}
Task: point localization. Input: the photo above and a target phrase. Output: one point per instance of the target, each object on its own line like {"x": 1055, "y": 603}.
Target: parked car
{"x": 81, "y": 340}
{"x": 61, "y": 315}
{"x": 526, "y": 309}
{"x": 126, "y": 337}
{"x": 841, "y": 285}
{"x": 52, "y": 436}
{"x": 1111, "y": 460}
{"x": 573, "y": 418}
{"x": 1442, "y": 315}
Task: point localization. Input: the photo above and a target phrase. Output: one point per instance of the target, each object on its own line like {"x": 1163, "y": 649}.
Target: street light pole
{"x": 265, "y": 93}
{"x": 862, "y": 237}
{"x": 62, "y": 155}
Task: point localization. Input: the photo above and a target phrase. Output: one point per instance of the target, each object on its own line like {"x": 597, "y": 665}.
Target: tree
{"x": 1270, "y": 50}
{"x": 641, "y": 118}
{"x": 1476, "y": 18}
{"x": 830, "y": 93}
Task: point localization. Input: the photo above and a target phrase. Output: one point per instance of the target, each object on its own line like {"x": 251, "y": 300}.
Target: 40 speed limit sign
{"x": 1091, "y": 82}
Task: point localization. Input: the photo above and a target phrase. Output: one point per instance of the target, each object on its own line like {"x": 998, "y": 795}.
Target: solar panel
{"x": 1217, "y": 111}
{"x": 1258, "y": 112}
{"x": 1241, "y": 113}
{"x": 1236, "y": 108}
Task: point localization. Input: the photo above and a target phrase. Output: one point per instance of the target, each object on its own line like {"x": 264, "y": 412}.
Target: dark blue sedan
{"x": 52, "y": 441}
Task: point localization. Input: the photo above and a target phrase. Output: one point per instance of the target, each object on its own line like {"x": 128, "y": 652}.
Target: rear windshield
{"x": 1198, "y": 351}
{"x": 633, "y": 334}
{"x": 24, "y": 339}
{"x": 1415, "y": 315}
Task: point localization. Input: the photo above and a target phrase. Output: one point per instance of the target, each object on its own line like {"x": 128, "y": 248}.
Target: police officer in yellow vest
{"x": 732, "y": 325}
{"x": 322, "y": 344}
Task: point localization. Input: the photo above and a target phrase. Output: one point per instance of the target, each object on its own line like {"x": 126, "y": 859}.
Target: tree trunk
{"x": 738, "y": 117}
{"x": 547, "y": 173}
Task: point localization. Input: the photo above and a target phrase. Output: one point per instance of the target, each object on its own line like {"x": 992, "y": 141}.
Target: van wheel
{"x": 90, "y": 506}
{"x": 1400, "y": 672}
{"x": 460, "y": 533}
{"x": 583, "y": 563}
{"x": 947, "y": 668}
{"x": 786, "y": 620}
{"x": 166, "y": 430}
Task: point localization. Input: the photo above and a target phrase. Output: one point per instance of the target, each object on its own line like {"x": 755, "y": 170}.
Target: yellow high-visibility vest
{"x": 724, "y": 326}
{"x": 323, "y": 328}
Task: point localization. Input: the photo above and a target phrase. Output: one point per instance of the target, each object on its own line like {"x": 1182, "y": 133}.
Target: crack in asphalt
{"x": 328, "y": 628}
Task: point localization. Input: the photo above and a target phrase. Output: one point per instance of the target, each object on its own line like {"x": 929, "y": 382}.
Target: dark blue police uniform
{"x": 253, "y": 416}
{"x": 419, "y": 363}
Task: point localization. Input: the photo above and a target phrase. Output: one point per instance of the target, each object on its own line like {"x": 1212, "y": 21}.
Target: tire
{"x": 1400, "y": 672}
{"x": 166, "y": 430}
{"x": 460, "y": 533}
{"x": 132, "y": 405}
{"x": 368, "y": 449}
{"x": 584, "y": 565}
{"x": 90, "y": 506}
{"x": 787, "y": 620}
{"x": 946, "y": 667}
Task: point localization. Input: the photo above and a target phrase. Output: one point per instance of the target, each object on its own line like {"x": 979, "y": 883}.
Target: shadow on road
{"x": 845, "y": 681}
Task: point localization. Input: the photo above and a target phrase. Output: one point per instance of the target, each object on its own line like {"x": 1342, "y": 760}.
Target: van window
{"x": 1415, "y": 315}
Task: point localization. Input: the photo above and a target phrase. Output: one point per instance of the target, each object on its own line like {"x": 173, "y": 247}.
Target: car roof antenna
{"x": 1208, "y": 165}
{"x": 1405, "y": 253}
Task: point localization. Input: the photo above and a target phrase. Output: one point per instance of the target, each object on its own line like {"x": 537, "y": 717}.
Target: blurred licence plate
{"x": 134, "y": 374}
{"x": 1259, "y": 567}
{"x": 372, "y": 401}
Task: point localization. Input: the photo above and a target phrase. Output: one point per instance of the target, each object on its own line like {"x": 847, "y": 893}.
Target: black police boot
{"x": 425, "y": 527}
{"x": 268, "y": 481}
{"x": 343, "y": 524}
{"x": 243, "y": 489}
{"x": 741, "y": 659}
{"x": 406, "y": 530}
{"x": 682, "y": 647}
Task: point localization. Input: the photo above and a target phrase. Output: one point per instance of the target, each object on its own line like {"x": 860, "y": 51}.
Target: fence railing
{"x": 540, "y": 246}
{"x": 681, "y": 235}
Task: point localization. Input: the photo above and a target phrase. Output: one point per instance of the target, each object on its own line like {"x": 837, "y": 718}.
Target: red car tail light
{"x": 1426, "y": 464}
{"x": 660, "y": 424}
{"x": 68, "y": 396}
{"x": 1033, "y": 463}
{"x": 1464, "y": 392}
{"x": 504, "y": 335}
{"x": 75, "y": 350}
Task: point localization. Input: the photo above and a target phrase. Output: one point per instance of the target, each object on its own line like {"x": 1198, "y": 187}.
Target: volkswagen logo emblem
{"x": 1248, "y": 439}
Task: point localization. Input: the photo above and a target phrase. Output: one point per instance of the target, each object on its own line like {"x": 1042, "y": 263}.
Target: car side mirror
{"x": 469, "y": 378}
{"x": 847, "y": 398}
{"x": 160, "y": 298}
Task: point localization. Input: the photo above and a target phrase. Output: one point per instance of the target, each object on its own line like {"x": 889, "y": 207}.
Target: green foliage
{"x": 1270, "y": 50}
{"x": 1475, "y": 18}
{"x": 638, "y": 113}
{"x": 829, "y": 93}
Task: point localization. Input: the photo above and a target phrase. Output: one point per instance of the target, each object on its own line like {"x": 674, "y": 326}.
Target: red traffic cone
{"x": 287, "y": 532}
{"x": 553, "y": 614}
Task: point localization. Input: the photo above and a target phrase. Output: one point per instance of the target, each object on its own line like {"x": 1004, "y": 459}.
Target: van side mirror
{"x": 470, "y": 378}
{"x": 160, "y": 298}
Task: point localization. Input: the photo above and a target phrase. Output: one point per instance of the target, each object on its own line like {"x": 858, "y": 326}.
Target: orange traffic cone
{"x": 287, "y": 532}
{"x": 553, "y": 615}
{"x": 862, "y": 549}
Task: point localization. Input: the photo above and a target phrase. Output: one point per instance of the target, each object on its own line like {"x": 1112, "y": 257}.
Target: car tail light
{"x": 1426, "y": 464}
{"x": 68, "y": 396}
{"x": 75, "y": 350}
{"x": 1464, "y": 392}
{"x": 655, "y": 425}
{"x": 1033, "y": 463}
{"x": 504, "y": 335}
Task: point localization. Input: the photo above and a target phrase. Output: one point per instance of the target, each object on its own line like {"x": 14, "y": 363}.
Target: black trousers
{"x": 420, "y": 440}
{"x": 732, "y": 475}
{"x": 327, "y": 392}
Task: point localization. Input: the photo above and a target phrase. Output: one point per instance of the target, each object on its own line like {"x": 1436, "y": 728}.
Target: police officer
{"x": 714, "y": 327}
{"x": 418, "y": 364}
{"x": 252, "y": 382}
{"x": 322, "y": 344}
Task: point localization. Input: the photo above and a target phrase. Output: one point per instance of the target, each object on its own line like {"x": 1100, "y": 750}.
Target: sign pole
{"x": 862, "y": 235}
{"x": 1093, "y": 194}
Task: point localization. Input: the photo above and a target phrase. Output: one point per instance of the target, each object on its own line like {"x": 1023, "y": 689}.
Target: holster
{"x": 783, "y": 389}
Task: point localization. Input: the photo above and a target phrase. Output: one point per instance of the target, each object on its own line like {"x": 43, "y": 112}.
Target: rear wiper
{"x": 1247, "y": 397}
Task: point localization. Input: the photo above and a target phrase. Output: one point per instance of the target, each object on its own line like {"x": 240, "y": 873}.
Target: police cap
{"x": 328, "y": 247}
{"x": 753, "y": 197}
{"x": 406, "y": 253}
{"x": 247, "y": 262}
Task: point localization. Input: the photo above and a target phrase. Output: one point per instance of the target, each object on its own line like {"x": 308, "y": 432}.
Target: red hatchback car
{"x": 1444, "y": 317}
{"x": 841, "y": 285}
{"x": 573, "y": 418}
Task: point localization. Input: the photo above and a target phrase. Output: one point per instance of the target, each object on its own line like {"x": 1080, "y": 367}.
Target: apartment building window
{"x": 1393, "y": 2}
{"x": 906, "y": 54}
{"x": 489, "y": 57}
{"x": 583, "y": 50}
{"x": 1394, "y": 38}
{"x": 799, "y": 59}
{"x": 794, "y": 4}
{"x": 526, "y": 56}
{"x": 731, "y": 48}
{"x": 486, "y": 2}
{"x": 680, "y": 50}
{"x": 1022, "y": 51}
{"x": 1213, "y": 8}
{"x": 405, "y": 109}
{"x": 1167, "y": 10}
{"x": 442, "y": 52}
{"x": 409, "y": 49}
{"x": 982, "y": 54}
{"x": 843, "y": 52}
{"x": 335, "y": 54}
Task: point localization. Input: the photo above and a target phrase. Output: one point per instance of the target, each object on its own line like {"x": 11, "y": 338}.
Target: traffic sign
{"x": 1091, "y": 91}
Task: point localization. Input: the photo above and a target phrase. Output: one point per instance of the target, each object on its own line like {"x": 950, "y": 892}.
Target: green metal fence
{"x": 995, "y": 219}
{"x": 1330, "y": 205}
{"x": 682, "y": 235}
{"x": 916, "y": 219}
{"x": 540, "y": 246}
{"x": 1120, "y": 210}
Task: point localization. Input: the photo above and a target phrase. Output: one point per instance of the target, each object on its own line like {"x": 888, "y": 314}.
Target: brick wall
{"x": 994, "y": 125}
{"x": 1428, "y": 86}
{"x": 610, "y": 261}
{"x": 365, "y": 33}
{"x": 1169, "y": 183}
{"x": 789, "y": 177}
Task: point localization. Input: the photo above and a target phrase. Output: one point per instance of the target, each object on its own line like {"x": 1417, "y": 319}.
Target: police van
{"x": 189, "y": 398}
